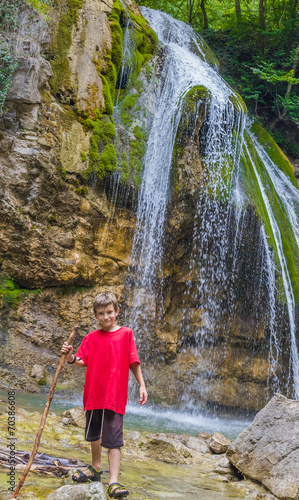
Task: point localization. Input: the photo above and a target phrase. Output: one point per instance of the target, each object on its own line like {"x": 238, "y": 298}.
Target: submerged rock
{"x": 268, "y": 450}
{"x": 93, "y": 491}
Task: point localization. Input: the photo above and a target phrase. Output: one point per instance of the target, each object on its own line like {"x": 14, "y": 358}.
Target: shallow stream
{"x": 146, "y": 419}
{"x": 147, "y": 479}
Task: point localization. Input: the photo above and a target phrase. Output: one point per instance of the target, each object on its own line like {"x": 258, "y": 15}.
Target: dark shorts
{"x": 105, "y": 424}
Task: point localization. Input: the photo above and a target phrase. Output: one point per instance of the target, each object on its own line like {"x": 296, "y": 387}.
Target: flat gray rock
{"x": 268, "y": 450}
{"x": 90, "y": 491}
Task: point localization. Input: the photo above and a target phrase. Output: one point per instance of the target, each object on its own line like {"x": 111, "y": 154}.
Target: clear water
{"x": 145, "y": 419}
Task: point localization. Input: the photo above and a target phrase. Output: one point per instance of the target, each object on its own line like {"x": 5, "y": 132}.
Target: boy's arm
{"x": 136, "y": 369}
{"x": 70, "y": 356}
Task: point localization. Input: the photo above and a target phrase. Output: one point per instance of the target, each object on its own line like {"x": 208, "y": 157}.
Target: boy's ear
{"x": 117, "y": 311}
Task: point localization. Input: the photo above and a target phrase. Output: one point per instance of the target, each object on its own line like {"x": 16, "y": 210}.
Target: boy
{"x": 108, "y": 354}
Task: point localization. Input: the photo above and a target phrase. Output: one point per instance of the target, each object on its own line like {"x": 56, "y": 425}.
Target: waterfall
{"x": 222, "y": 202}
{"x": 286, "y": 192}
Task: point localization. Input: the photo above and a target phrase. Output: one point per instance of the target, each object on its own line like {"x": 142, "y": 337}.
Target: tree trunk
{"x": 262, "y": 23}
{"x": 262, "y": 14}
{"x": 282, "y": 115}
{"x": 191, "y": 5}
{"x": 238, "y": 11}
{"x": 205, "y": 17}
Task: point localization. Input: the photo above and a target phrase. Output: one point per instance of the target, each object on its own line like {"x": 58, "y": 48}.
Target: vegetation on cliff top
{"x": 257, "y": 45}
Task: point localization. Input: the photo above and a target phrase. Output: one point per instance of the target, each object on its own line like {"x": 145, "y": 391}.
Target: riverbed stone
{"x": 75, "y": 416}
{"x": 219, "y": 443}
{"x": 196, "y": 444}
{"x": 268, "y": 450}
{"x": 93, "y": 491}
{"x": 166, "y": 449}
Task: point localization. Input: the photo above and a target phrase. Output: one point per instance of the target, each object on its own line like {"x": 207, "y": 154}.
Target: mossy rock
{"x": 253, "y": 168}
{"x": 190, "y": 109}
{"x": 11, "y": 293}
{"x": 195, "y": 103}
{"x": 61, "y": 44}
{"x": 274, "y": 152}
{"x": 238, "y": 102}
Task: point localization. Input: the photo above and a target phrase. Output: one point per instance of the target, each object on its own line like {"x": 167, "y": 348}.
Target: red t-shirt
{"x": 108, "y": 356}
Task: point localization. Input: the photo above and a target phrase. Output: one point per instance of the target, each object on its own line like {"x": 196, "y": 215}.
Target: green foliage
{"x": 11, "y": 293}
{"x": 9, "y": 11}
{"x": 291, "y": 103}
{"x": 257, "y": 54}
{"x": 267, "y": 71}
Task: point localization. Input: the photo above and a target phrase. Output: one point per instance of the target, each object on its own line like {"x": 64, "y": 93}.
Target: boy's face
{"x": 106, "y": 316}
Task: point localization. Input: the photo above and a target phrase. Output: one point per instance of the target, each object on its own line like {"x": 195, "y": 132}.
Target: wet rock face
{"x": 268, "y": 450}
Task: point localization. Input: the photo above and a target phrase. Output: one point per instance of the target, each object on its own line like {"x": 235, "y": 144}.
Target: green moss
{"x": 82, "y": 190}
{"x": 275, "y": 153}
{"x": 125, "y": 171}
{"x": 41, "y": 7}
{"x": 83, "y": 156}
{"x": 60, "y": 48}
{"x": 146, "y": 40}
{"x": 11, "y": 293}
{"x": 102, "y": 154}
{"x": 107, "y": 96}
{"x": 288, "y": 239}
{"x": 238, "y": 102}
{"x": 126, "y": 106}
{"x": 42, "y": 381}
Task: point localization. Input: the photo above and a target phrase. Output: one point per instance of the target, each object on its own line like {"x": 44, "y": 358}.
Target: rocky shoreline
{"x": 155, "y": 465}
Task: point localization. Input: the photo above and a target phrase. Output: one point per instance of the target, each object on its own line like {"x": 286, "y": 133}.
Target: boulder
{"x": 219, "y": 443}
{"x": 166, "y": 449}
{"x": 268, "y": 450}
{"x": 196, "y": 444}
{"x": 75, "y": 416}
{"x": 93, "y": 491}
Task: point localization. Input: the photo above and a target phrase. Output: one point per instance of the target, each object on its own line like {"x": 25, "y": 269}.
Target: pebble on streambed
{"x": 155, "y": 466}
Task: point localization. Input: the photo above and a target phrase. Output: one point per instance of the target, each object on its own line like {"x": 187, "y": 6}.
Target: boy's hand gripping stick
{"x": 44, "y": 415}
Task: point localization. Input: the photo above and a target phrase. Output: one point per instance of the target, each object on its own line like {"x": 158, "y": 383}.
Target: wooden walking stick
{"x": 44, "y": 415}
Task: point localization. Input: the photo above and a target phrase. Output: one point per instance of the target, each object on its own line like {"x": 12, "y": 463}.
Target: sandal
{"x": 118, "y": 492}
{"x": 83, "y": 478}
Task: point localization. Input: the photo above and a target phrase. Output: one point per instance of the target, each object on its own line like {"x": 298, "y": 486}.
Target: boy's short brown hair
{"x": 103, "y": 300}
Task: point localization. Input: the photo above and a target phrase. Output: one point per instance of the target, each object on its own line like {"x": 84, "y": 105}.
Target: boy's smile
{"x": 106, "y": 316}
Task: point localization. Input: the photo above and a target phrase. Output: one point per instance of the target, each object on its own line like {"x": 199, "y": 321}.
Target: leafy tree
{"x": 256, "y": 42}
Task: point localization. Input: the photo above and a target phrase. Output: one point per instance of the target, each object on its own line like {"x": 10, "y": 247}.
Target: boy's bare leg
{"x": 96, "y": 454}
{"x": 114, "y": 457}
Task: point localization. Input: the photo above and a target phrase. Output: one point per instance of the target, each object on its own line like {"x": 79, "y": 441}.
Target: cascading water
{"x": 221, "y": 219}
{"x": 182, "y": 70}
{"x": 289, "y": 197}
